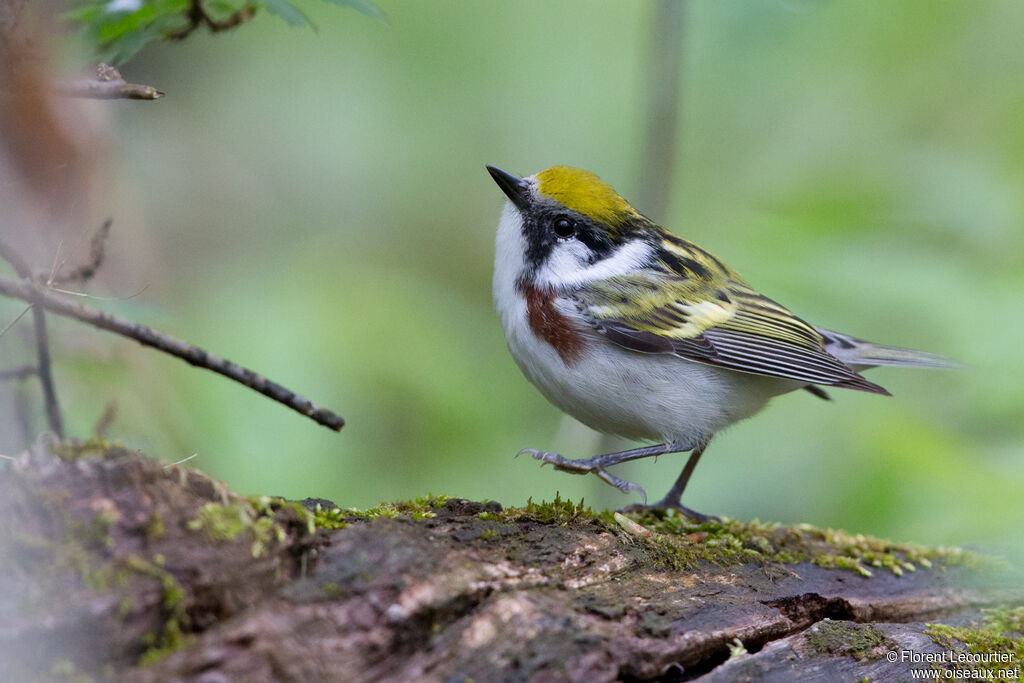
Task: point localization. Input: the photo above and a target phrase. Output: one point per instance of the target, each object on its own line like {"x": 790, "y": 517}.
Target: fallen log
{"x": 119, "y": 567}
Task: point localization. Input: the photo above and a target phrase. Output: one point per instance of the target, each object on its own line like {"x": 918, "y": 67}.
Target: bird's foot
{"x": 663, "y": 505}
{"x": 585, "y": 466}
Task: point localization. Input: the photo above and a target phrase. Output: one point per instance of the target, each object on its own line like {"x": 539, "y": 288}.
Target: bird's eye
{"x": 564, "y": 228}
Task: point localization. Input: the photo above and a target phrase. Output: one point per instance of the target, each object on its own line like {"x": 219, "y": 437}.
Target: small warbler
{"x": 636, "y": 332}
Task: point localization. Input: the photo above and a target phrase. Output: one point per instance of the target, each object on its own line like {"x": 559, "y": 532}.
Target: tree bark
{"x": 118, "y": 567}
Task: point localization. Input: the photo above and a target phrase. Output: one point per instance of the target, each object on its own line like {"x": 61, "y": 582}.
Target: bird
{"x": 638, "y": 333}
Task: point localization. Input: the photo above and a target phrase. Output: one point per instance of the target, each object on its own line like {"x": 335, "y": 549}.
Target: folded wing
{"x": 715, "y": 319}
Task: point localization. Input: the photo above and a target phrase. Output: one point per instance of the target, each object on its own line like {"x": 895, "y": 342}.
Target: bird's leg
{"x": 673, "y": 499}
{"x": 598, "y": 463}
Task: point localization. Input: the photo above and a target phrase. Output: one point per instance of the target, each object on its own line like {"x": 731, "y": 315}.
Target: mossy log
{"x": 116, "y": 566}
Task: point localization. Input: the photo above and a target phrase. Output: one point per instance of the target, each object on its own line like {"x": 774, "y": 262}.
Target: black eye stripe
{"x": 542, "y": 232}
{"x": 600, "y": 246}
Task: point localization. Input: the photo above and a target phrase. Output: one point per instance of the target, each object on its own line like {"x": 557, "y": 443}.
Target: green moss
{"x": 221, "y": 522}
{"x": 558, "y": 511}
{"x": 862, "y": 641}
{"x": 226, "y": 522}
{"x": 93, "y": 532}
{"x": 737, "y": 649}
{"x": 272, "y": 506}
{"x": 679, "y": 542}
{"x": 171, "y": 636}
{"x": 843, "y": 562}
{"x": 421, "y": 508}
{"x": 333, "y": 590}
{"x": 432, "y": 501}
{"x": 154, "y": 528}
{"x": 671, "y": 540}
{"x": 1001, "y": 631}
{"x": 329, "y": 518}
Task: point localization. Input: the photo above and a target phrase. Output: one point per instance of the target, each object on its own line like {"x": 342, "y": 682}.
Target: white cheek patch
{"x": 565, "y": 261}
{"x": 567, "y": 265}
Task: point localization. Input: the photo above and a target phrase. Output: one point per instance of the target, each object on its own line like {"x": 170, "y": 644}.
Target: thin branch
{"x": 108, "y": 85}
{"x": 43, "y": 363}
{"x": 106, "y": 419}
{"x": 45, "y": 367}
{"x": 198, "y": 16}
{"x": 109, "y": 90}
{"x": 18, "y": 374}
{"x": 86, "y": 271}
{"x": 27, "y": 291}
{"x": 14, "y": 322}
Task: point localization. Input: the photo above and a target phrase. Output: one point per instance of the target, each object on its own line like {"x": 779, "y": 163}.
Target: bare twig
{"x": 664, "y": 88}
{"x": 109, "y": 90}
{"x": 106, "y": 419}
{"x": 108, "y": 85}
{"x": 44, "y": 370}
{"x": 198, "y": 16}
{"x": 43, "y": 363}
{"x": 14, "y": 322}
{"x": 28, "y": 291}
{"x": 17, "y": 374}
{"x": 86, "y": 271}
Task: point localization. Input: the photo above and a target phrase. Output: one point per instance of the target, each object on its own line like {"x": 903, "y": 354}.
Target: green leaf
{"x": 120, "y": 33}
{"x": 133, "y": 22}
{"x": 221, "y": 6}
{"x": 86, "y": 14}
{"x": 287, "y": 11}
{"x": 126, "y": 46}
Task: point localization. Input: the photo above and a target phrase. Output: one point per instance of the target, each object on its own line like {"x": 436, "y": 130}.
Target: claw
{"x": 549, "y": 458}
{"x": 582, "y": 467}
{"x": 620, "y": 484}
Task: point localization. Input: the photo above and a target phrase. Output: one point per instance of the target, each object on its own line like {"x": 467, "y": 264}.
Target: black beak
{"x": 514, "y": 188}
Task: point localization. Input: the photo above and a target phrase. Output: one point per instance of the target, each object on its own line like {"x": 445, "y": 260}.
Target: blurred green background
{"x": 315, "y": 206}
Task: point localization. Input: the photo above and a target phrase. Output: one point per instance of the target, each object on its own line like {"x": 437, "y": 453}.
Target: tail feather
{"x": 860, "y": 354}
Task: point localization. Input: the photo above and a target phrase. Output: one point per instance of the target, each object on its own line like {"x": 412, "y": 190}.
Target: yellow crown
{"x": 585, "y": 193}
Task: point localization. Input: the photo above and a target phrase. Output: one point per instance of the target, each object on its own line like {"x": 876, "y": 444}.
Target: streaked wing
{"x": 764, "y": 337}
{"x": 708, "y": 314}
